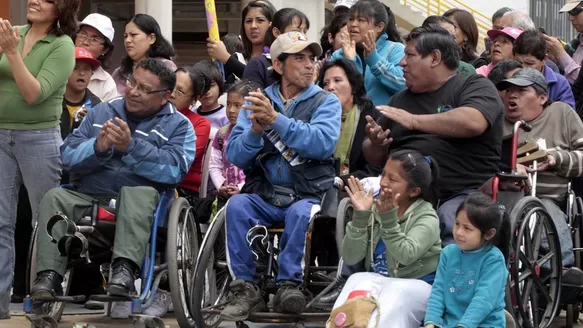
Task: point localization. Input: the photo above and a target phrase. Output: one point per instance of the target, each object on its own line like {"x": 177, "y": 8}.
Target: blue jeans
{"x": 32, "y": 158}
{"x": 245, "y": 211}
{"x": 563, "y": 232}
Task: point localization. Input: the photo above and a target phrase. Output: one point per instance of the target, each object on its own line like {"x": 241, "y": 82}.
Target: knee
{"x": 235, "y": 206}
{"x": 145, "y": 190}
{"x": 51, "y": 197}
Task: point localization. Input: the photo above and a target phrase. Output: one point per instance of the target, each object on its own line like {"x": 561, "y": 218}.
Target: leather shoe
{"x": 122, "y": 280}
{"x": 47, "y": 285}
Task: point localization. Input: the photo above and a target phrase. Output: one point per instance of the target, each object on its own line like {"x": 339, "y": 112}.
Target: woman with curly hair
{"x": 36, "y": 61}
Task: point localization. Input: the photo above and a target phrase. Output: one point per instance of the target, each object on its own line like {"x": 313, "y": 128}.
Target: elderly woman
{"x": 501, "y": 48}
{"x": 36, "y": 61}
{"x": 143, "y": 39}
{"x": 96, "y": 36}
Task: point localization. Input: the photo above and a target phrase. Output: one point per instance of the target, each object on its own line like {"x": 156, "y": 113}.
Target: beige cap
{"x": 292, "y": 43}
{"x": 570, "y": 5}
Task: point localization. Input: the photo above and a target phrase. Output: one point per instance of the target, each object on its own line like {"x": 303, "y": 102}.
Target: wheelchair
{"x": 211, "y": 279}
{"x": 534, "y": 288}
{"x": 174, "y": 235}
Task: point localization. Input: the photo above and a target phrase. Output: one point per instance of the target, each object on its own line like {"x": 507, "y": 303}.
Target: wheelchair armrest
{"x": 329, "y": 203}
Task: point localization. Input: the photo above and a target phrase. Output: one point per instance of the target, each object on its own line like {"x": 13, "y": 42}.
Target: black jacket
{"x": 90, "y": 101}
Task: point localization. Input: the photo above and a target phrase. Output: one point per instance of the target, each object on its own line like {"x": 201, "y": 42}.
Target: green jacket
{"x": 466, "y": 68}
{"x": 412, "y": 242}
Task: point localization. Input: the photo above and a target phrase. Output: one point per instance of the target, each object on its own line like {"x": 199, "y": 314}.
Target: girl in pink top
{"x": 226, "y": 177}
{"x": 501, "y": 49}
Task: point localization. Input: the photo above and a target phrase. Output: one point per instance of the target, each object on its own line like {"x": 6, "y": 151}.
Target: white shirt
{"x": 102, "y": 85}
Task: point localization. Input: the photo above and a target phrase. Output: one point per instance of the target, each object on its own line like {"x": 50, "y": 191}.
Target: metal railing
{"x": 438, "y": 7}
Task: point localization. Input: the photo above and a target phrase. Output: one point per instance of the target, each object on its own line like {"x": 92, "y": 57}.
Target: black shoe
{"x": 328, "y": 300}
{"x": 247, "y": 298}
{"x": 573, "y": 276}
{"x": 16, "y": 299}
{"x": 289, "y": 299}
{"x": 47, "y": 285}
{"x": 122, "y": 280}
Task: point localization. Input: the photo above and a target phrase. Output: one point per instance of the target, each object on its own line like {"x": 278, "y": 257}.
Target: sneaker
{"x": 289, "y": 298}
{"x": 160, "y": 304}
{"x": 121, "y": 310}
{"x": 246, "y": 298}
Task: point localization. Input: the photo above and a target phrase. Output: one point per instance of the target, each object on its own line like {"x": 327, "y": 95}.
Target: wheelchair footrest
{"x": 145, "y": 321}
{"x": 64, "y": 299}
{"x": 110, "y": 298}
{"x": 42, "y": 321}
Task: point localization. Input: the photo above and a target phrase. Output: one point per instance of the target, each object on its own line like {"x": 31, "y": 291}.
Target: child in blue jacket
{"x": 469, "y": 287}
{"x": 373, "y": 44}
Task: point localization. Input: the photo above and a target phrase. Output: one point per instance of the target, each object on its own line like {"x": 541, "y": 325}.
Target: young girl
{"x": 284, "y": 21}
{"x": 226, "y": 177}
{"x": 372, "y": 43}
{"x": 209, "y": 102}
{"x": 469, "y": 287}
{"x": 397, "y": 237}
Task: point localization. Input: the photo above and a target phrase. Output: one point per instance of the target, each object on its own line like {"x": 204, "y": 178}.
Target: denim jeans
{"x": 447, "y": 212}
{"x": 563, "y": 231}
{"x": 32, "y": 158}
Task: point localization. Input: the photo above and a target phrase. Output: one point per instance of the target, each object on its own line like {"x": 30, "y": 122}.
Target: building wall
{"x": 489, "y": 7}
{"x": 5, "y": 9}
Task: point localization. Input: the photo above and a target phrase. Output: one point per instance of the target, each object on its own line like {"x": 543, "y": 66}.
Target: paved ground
{"x": 101, "y": 322}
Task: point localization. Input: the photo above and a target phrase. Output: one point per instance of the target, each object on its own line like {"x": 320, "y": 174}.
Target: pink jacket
{"x": 221, "y": 171}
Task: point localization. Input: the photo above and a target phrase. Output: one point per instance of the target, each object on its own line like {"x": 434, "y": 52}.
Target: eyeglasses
{"x": 131, "y": 83}
{"x": 94, "y": 41}
{"x": 575, "y": 11}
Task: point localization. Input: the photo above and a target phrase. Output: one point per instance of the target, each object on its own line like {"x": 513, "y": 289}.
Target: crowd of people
{"x": 284, "y": 119}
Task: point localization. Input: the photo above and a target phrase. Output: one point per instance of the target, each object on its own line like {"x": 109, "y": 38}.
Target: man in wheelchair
{"x": 130, "y": 148}
{"x": 284, "y": 139}
{"x": 525, "y": 98}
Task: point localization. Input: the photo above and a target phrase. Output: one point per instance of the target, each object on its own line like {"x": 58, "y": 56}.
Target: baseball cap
{"x": 292, "y": 43}
{"x": 570, "y": 5}
{"x": 344, "y": 3}
{"x": 512, "y": 32}
{"x": 525, "y": 77}
{"x": 84, "y": 55}
{"x": 101, "y": 23}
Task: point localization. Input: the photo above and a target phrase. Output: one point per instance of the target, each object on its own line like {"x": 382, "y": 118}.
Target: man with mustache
{"x": 284, "y": 139}
{"x": 130, "y": 148}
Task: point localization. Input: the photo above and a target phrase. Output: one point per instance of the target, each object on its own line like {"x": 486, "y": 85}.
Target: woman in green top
{"x": 36, "y": 61}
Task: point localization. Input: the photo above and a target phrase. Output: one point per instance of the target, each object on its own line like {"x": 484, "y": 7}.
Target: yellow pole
{"x": 439, "y": 7}
{"x": 211, "y": 20}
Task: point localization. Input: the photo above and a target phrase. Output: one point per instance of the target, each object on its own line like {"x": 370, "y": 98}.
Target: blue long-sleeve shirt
{"x": 468, "y": 290}
{"x": 160, "y": 153}
{"x": 383, "y": 75}
{"x": 559, "y": 87}
{"x": 315, "y": 139}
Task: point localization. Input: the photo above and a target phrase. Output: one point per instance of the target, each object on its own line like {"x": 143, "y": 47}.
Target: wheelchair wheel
{"x": 212, "y": 277}
{"x": 572, "y": 315}
{"x": 345, "y": 212}
{"x": 181, "y": 251}
{"x": 53, "y": 309}
{"x": 535, "y": 268}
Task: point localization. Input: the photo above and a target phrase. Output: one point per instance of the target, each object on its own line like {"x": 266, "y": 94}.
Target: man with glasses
{"x": 570, "y": 55}
{"x": 285, "y": 139}
{"x": 130, "y": 148}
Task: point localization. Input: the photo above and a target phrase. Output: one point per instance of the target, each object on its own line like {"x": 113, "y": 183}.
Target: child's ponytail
{"x": 485, "y": 214}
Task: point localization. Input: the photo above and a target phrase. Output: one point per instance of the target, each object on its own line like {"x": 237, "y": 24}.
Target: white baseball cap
{"x": 101, "y": 23}
{"x": 345, "y": 3}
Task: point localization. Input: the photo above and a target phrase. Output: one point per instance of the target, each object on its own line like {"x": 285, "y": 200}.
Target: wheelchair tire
{"x": 527, "y": 261}
{"x": 572, "y": 315}
{"x": 52, "y": 309}
{"x": 181, "y": 250}
{"x": 212, "y": 276}
{"x": 342, "y": 219}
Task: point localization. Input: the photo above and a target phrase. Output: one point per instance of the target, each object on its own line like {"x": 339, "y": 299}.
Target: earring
{"x": 58, "y": 24}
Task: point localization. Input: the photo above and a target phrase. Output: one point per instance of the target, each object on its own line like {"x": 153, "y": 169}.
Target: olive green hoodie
{"x": 412, "y": 242}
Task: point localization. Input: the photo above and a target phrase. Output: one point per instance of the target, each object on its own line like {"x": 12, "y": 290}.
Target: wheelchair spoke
{"x": 545, "y": 259}
{"x": 537, "y": 237}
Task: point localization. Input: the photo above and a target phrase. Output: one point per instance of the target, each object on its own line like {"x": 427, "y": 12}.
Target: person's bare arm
{"x": 461, "y": 122}
{"x": 27, "y": 84}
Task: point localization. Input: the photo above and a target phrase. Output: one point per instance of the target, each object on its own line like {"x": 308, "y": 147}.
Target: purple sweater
{"x": 559, "y": 87}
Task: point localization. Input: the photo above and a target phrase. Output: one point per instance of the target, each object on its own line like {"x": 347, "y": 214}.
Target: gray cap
{"x": 523, "y": 78}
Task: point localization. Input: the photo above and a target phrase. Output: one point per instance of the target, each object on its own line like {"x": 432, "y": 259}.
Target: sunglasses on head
{"x": 575, "y": 11}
